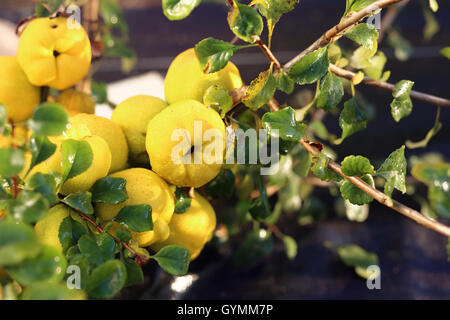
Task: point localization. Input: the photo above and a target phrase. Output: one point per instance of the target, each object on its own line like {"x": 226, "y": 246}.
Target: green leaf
{"x": 99, "y": 92}
{"x": 214, "y": 54}
{"x": 173, "y": 259}
{"x": 49, "y": 266}
{"x": 357, "y": 166}
{"x": 222, "y": 185}
{"x": 284, "y": 82}
{"x": 178, "y": 9}
{"x": 182, "y": 200}
{"x": 260, "y": 208}
{"x": 41, "y": 149}
{"x": 290, "y": 247}
{"x": 402, "y": 47}
{"x": 393, "y": 170}
{"x": 70, "y": 232}
{"x": 124, "y": 235}
{"x": 356, "y": 5}
{"x": 49, "y": 119}
{"x": 81, "y": 201}
{"x": 134, "y": 273}
{"x": 109, "y": 190}
{"x": 402, "y": 105}
{"x": 98, "y": 248}
{"x": 431, "y": 25}
{"x": 76, "y": 158}
{"x": 218, "y": 98}
{"x": 29, "y": 206}
{"x": 355, "y": 256}
{"x": 137, "y": 218}
{"x": 355, "y": 212}
{"x": 437, "y": 177}
{"x": 51, "y": 291}
{"x": 17, "y": 242}
{"x": 12, "y": 161}
{"x": 45, "y": 184}
{"x": 107, "y": 280}
{"x": 364, "y": 34}
{"x": 320, "y": 170}
{"x": 311, "y": 68}
{"x": 257, "y": 244}
{"x": 282, "y": 124}
{"x": 245, "y": 22}
{"x": 445, "y": 52}
{"x": 330, "y": 93}
{"x": 352, "y": 119}
{"x": 261, "y": 90}
{"x": 434, "y": 6}
{"x": 355, "y": 195}
{"x": 274, "y": 9}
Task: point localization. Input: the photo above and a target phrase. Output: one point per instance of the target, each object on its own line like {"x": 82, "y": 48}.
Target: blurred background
{"x": 413, "y": 260}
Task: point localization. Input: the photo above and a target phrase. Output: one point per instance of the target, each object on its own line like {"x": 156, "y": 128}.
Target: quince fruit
{"x": 83, "y": 125}
{"x": 18, "y": 95}
{"x": 76, "y": 102}
{"x": 143, "y": 187}
{"x": 185, "y": 78}
{"x": 133, "y": 116}
{"x": 186, "y": 143}
{"x": 54, "y": 52}
{"x": 192, "y": 229}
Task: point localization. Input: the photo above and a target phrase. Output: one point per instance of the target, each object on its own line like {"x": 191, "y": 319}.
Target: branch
{"x": 140, "y": 259}
{"x": 380, "y": 196}
{"x": 267, "y": 52}
{"x": 390, "y": 87}
{"x": 334, "y": 33}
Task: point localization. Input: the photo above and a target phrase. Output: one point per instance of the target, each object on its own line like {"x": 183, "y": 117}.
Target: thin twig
{"x": 334, "y": 33}
{"x": 15, "y": 178}
{"x": 380, "y": 196}
{"x": 140, "y": 259}
{"x": 267, "y": 52}
{"x": 390, "y": 87}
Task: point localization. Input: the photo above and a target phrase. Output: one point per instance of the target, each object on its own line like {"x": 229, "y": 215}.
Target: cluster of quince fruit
{"x": 56, "y": 52}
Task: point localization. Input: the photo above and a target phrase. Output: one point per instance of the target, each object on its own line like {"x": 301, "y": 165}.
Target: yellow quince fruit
{"x": 47, "y": 229}
{"x": 192, "y": 229}
{"x": 185, "y": 78}
{"x": 186, "y": 143}
{"x": 18, "y": 95}
{"x": 99, "y": 168}
{"x": 133, "y": 116}
{"x": 83, "y": 125}
{"x": 76, "y": 102}
{"x": 144, "y": 187}
{"x": 54, "y": 52}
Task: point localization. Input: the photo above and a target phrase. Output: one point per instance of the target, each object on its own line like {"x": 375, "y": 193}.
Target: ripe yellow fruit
{"x": 47, "y": 229}
{"x": 84, "y": 124}
{"x": 75, "y": 102}
{"x": 133, "y": 116}
{"x": 18, "y": 95}
{"x": 144, "y": 187}
{"x": 185, "y": 78}
{"x": 186, "y": 143}
{"x": 54, "y": 52}
{"x": 192, "y": 229}
{"x": 99, "y": 168}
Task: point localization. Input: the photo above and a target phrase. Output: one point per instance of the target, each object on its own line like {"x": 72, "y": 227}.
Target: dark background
{"x": 413, "y": 260}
